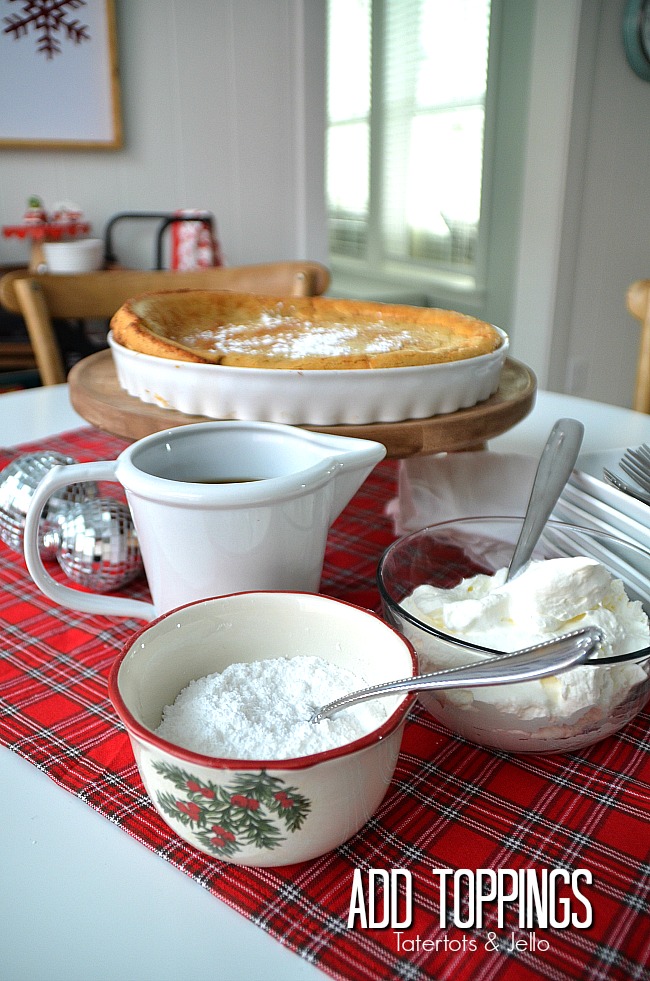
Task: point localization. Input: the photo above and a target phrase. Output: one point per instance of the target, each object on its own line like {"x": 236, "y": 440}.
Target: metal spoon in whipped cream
{"x": 553, "y": 470}
{"x": 539, "y": 661}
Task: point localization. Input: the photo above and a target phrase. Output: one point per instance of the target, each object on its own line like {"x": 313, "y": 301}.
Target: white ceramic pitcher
{"x": 219, "y": 507}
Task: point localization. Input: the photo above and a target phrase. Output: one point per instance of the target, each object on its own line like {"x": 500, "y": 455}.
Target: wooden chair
{"x": 638, "y": 304}
{"x": 16, "y": 354}
{"x": 41, "y": 297}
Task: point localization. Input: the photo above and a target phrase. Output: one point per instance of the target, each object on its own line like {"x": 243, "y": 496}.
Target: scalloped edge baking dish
{"x": 358, "y": 396}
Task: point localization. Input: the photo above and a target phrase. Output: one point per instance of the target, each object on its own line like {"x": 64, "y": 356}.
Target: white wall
{"x": 612, "y": 229}
{"x": 217, "y": 115}
{"x": 585, "y": 232}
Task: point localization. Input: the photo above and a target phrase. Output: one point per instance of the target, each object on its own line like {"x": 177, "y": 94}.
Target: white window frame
{"x": 383, "y": 278}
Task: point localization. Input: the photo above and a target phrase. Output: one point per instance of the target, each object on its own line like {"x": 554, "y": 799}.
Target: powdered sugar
{"x": 261, "y": 710}
{"x": 287, "y": 337}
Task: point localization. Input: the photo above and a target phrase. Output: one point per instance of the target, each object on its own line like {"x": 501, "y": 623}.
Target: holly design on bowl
{"x": 255, "y": 809}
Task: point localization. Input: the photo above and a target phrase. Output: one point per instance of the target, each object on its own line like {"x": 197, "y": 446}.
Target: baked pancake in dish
{"x": 303, "y": 333}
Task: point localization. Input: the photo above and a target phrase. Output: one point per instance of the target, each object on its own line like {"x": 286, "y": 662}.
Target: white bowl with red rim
{"x": 303, "y": 806}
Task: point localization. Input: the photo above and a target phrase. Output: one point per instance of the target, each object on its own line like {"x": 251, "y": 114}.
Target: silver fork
{"x": 636, "y": 464}
{"x": 621, "y": 485}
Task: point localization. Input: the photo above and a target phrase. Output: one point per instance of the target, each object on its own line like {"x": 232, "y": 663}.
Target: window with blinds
{"x": 406, "y": 114}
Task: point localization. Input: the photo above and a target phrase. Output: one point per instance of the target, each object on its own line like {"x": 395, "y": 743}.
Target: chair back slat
{"x": 638, "y": 304}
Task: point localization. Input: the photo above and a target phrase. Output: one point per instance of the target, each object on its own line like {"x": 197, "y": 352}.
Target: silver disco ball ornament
{"x": 18, "y": 482}
{"x": 99, "y": 546}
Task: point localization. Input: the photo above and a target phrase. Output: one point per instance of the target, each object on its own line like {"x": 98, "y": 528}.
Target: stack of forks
{"x": 613, "y": 514}
{"x": 636, "y": 464}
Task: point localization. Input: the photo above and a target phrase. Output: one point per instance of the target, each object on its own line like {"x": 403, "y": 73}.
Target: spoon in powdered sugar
{"x": 540, "y": 661}
{"x": 553, "y": 470}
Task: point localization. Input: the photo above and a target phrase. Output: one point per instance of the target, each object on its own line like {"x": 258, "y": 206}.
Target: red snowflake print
{"x": 49, "y": 19}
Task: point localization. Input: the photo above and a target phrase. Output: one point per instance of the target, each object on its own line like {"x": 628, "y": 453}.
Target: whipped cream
{"x": 548, "y": 599}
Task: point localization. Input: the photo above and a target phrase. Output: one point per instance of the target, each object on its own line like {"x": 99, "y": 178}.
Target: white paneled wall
{"x": 217, "y": 115}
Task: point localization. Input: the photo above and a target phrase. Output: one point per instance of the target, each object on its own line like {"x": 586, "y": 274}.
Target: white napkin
{"x": 460, "y": 485}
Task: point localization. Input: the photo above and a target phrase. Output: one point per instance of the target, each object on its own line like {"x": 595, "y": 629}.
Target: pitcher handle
{"x": 62, "y": 476}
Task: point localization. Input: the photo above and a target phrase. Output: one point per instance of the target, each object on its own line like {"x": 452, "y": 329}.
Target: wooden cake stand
{"x": 96, "y": 395}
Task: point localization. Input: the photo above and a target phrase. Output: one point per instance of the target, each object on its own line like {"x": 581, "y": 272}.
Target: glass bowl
{"x": 552, "y": 715}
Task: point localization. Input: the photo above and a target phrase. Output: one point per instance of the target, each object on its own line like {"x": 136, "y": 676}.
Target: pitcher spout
{"x": 354, "y": 460}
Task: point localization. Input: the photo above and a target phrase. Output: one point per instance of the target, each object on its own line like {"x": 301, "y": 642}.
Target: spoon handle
{"x": 554, "y": 469}
{"x": 539, "y": 661}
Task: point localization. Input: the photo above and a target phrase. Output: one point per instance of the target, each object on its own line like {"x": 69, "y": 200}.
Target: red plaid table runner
{"x": 451, "y": 804}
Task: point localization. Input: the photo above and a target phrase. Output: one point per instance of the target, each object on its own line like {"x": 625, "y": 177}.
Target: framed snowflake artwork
{"x": 59, "y": 84}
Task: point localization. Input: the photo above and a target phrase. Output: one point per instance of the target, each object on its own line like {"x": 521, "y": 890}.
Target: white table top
{"x": 118, "y": 912}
